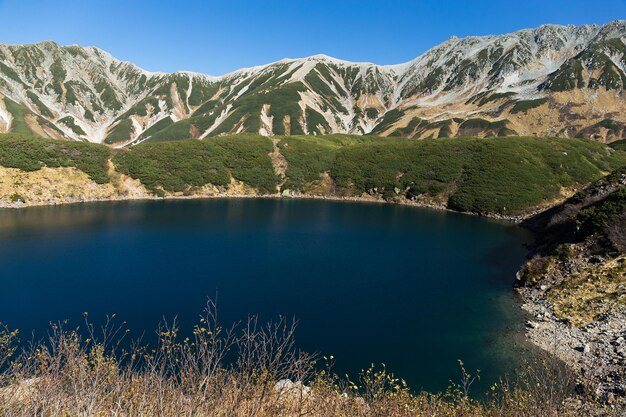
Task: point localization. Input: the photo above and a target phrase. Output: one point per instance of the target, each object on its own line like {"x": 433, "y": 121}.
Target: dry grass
{"x": 234, "y": 372}
{"x": 587, "y": 295}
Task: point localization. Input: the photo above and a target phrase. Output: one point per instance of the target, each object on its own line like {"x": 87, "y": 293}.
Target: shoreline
{"x": 596, "y": 352}
{"x": 516, "y": 219}
{"x": 589, "y": 338}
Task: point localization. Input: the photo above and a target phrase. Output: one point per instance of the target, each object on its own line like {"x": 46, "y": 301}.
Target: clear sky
{"x": 215, "y": 37}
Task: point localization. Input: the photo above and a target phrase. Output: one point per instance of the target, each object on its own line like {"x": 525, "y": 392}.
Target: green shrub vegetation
{"x": 619, "y": 145}
{"x": 490, "y": 176}
{"x": 397, "y": 167}
{"x": 58, "y": 76}
{"x": 568, "y": 77}
{"x": 247, "y": 159}
{"x": 598, "y": 216}
{"x": 309, "y": 156}
{"x": 201, "y": 93}
{"x": 121, "y": 132}
{"x": 141, "y": 108}
{"x": 371, "y": 113}
{"x": 157, "y": 127}
{"x": 18, "y": 112}
{"x": 181, "y": 166}
{"x": 410, "y": 128}
{"x": 173, "y": 166}
{"x": 283, "y": 102}
{"x": 509, "y": 175}
{"x": 9, "y": 72}
{"x": 30, "y": 153}
{"x": 614, "y": 129}
{"x": 525, "y": 105}
{"x": 167, "y": 130}
{"x": 43, "y": 110}
{"x": 391, "y": 117}
{"x": 503, "y": 175}
{"x": 71, "y": 123}
{"x": 107, "y": 95}
{"x": 488, "y": 96}
{"x": 314, "y": 121}
{"x": 472, "y": 127}
{"x": 43, "y": 122}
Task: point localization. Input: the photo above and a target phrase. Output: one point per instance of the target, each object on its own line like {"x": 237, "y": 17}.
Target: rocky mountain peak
{"x": 551, "y": 80}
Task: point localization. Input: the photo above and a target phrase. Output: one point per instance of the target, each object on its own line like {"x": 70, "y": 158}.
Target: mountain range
{"x": 564, "y": 81}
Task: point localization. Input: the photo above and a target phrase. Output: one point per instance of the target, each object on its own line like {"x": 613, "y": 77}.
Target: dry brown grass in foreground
{"x": 233, "y": 372}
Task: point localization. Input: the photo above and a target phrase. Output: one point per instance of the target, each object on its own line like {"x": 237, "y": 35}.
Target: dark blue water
{"x": 412, "y": 288}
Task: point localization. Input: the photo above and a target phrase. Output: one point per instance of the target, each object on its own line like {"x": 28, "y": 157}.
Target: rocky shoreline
{"x": 574, "y": 288}
{"x": 585, "y": 331}
{"x": 146, "y": 196}
{"x": 596, "y": 352}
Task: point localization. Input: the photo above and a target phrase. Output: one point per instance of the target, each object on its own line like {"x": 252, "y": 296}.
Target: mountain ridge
{"x": 549, "y": 81}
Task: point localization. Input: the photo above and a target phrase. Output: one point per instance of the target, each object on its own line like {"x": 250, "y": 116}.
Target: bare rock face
{"x": 549, "y": 81}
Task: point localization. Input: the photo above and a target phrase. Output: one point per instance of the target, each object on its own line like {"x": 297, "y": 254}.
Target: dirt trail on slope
{"x": 279, "y": 163}
{"x": 125, "y": 186}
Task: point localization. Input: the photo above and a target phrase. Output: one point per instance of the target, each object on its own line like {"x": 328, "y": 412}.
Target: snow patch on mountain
{"x": 5, "y": 117}
{"x": 218, "y": 121}
{"x": 267, "y": 121}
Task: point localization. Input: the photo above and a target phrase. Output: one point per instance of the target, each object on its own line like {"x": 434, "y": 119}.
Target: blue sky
{"x": 216, "y": 37}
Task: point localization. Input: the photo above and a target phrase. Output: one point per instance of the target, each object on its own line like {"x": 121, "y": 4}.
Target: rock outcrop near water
{"x": 575, "y": 285}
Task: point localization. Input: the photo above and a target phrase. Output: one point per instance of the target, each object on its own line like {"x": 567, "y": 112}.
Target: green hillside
{"x": 503, "y": 175}
{"x": 507, "y": 176}
{"x": 31, "y": 153}
{"x": 181, "y": 166}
